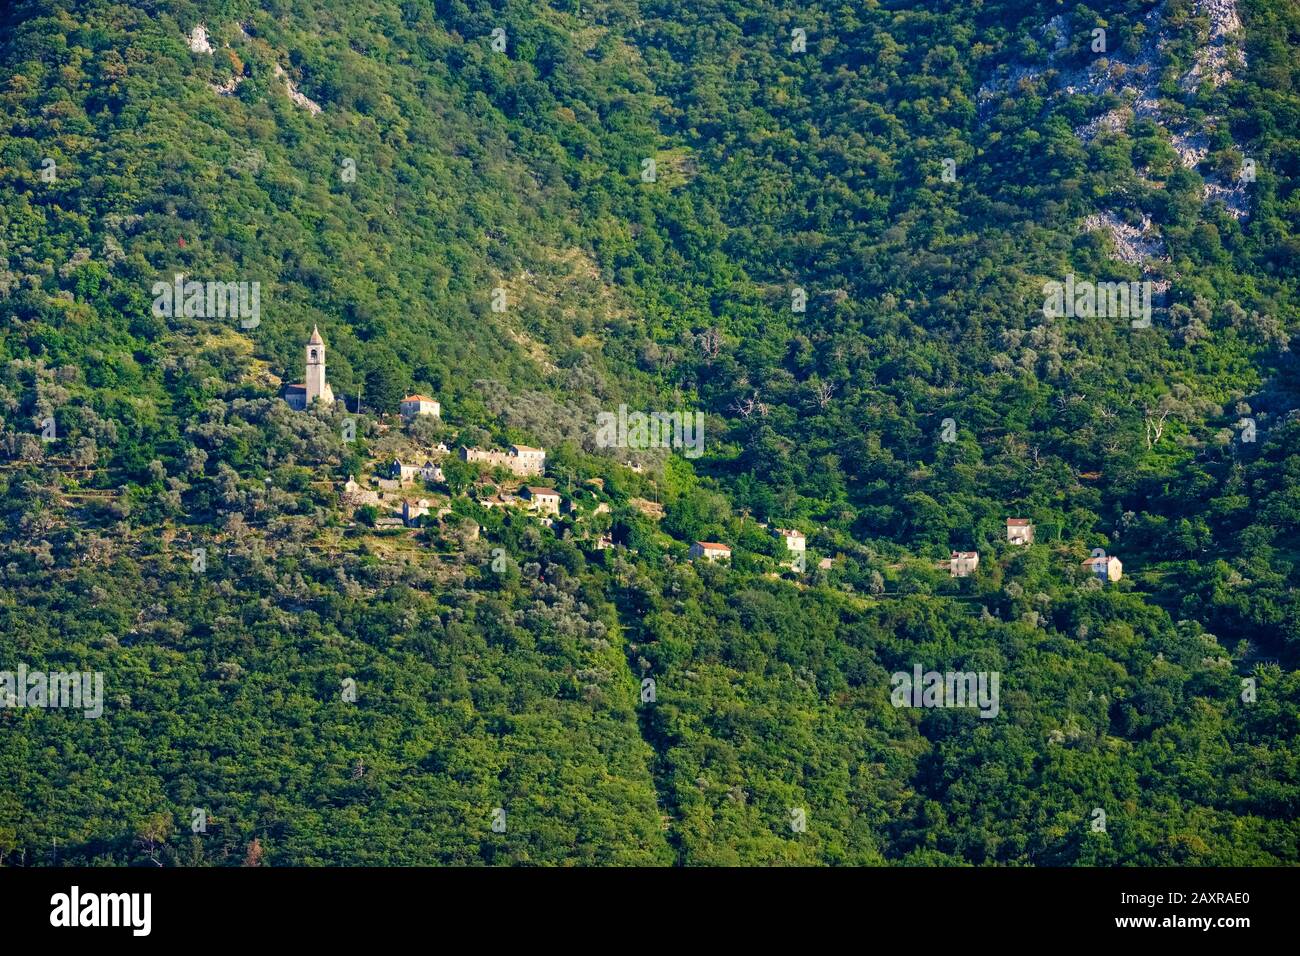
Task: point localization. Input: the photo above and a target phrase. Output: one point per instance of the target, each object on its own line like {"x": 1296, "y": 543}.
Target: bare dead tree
{"x": 822, "y": 392}
{"x": 1064, "y": 401}
{"x": 746, "y": 406}
{"x": 710, "y": 343}
{"x": 1154, "y": 421}
{"x": 152, "y": 834}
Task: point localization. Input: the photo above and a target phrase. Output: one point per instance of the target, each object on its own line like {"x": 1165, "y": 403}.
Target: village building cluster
{"x": 390, "y": 487}
{"x": 390, "y": 490}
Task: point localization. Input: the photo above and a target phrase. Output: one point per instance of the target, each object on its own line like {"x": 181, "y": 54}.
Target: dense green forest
{"x": 828, "y": 227}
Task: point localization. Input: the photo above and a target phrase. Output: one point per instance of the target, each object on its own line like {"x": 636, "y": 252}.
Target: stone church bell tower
{"x": 316, "y": 386}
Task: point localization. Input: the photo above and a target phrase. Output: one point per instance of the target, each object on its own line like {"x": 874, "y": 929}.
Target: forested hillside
{"x": 828, "y": 227}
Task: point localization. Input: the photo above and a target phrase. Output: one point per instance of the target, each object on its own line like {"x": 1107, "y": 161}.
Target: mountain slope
{"x": 481, "y": 225}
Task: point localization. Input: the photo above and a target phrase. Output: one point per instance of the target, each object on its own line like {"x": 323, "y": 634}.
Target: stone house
{"x": 963, "y": 563}
{"x": 710, "y": 551}
{"x": 1105, "y": 567}
{"x": 414, "y": 509}
{"x": 529, "y": 461}
{"x": 412, "y": 406}
{"x": 519, "y": 460}
{"x": 1020, "y": 531}
{"x": 795, "y": 542}
{"x": 543, "y": 500}
{"x": 399, "y": 470}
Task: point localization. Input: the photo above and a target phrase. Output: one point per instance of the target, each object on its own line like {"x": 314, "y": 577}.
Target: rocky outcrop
{"x": 299, "y": 99}
{"x": 228, "y": 88}
{"x": 1133, "y": 77}
{"x": 1222, "y": 53}
{"x": 198, "y": 40}
{"x": 1134, "y": 244}
{"x": 199, "y": 43}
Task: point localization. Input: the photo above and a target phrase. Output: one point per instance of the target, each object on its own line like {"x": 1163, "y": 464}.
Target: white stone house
{"x": 795, "y": 543}
{"x": 528, "y": 461}
{"x": 1020, "y": 531}
{"x": 431, "y": 472}
{"x": 963, "y": 563}
{"x": 403, "y": 471}
{"x": 413, "y": 406}
{"x": 710, "y": 551}
{"x": 1105, "y": 567}
{"x": 543, "y": 500}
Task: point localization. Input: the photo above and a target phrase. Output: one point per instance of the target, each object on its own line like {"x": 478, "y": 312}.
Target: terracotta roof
{"x": 418, "y": 398}
{"x": 1017, "y": 522}
{"x": 543, "y": 491}
{"x": 713, "y": 546}
{"x": 525, "y": 448}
